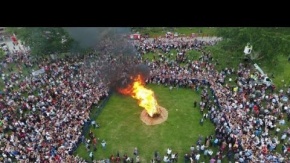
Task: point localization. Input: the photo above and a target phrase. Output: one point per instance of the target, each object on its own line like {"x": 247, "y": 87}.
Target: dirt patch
{"x": 162, "y": 117}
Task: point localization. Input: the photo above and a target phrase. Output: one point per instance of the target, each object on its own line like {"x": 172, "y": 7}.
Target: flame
{"x": 145, "y": 97}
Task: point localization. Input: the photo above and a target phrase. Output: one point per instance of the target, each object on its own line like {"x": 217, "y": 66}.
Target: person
{"x": 194, "y": 104}
{"x": 155, "y": 154}
{"x": 202, "y": 148}
{"x": 135, "y": 151}
{"x": 173, "y": 157}
{"x": 205, "y": 153}
{"x": 91, "y": 155}
{"x": 166, "y": 159}
{"x": 197, "y": 156}
{"x": 95, "y": 143}
{"x": 212, "y": 160}
{"x": 283, "y": 137}
{"x": 118, "y": 159}
{"x": 112, "y": 158}
{"x": 201, "y": 122}
{"x": 91, "y": 134}
{"x": 128, "y": 159}
{"x": 93, "y": 123}
{"x": 158, "y": 159}
{"x": 137, "y": 159}
{"x": 125, "y": 156}
{"x": 169, "y": 151}
{"x": 192, "y": 148}
{"x": 103, "y": 143}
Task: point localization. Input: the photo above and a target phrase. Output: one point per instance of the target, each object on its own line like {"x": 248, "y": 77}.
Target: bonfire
{"x": 155, "y": 114}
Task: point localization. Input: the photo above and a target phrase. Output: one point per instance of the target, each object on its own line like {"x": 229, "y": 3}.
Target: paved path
{"x": 10, "y": 45}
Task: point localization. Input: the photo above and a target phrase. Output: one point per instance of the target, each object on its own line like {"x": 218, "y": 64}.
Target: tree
{"x": 269, "y": 42}
{"x": 43, "y": 40}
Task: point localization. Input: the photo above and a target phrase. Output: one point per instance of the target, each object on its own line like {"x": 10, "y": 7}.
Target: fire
{"x": 145, "y": 97}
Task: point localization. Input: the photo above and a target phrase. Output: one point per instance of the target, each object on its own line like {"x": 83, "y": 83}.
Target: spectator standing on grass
{"x": 283, "y": 137}
{"x": 212, "y": 160}
{"x": 197, "y": 157}
{"x": 103, "y": 143}
{"x": 155, "y": 154}
{"x": 205, "y": 153}
{"x": 169, "y": 151}
{"x": 118, "y": 159}
{"x": 192, "y": 148}
{"x": 135, "y": 151}
{"x": 166, "y": 159}
{"x": 95, "y": 143}
{"x": 186, "y": 158}
{"x": 91, "y": 155}
{"x": 194, "y": 104}
{"x": 202, "y": 148}
{"x": 201, "y": 122}
{"x": 137, "y": 159}
{"x": 93, "y": 123}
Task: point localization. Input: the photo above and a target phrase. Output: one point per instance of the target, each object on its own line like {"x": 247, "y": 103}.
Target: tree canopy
{"x": 43, "y": 40}
{"x": 268, "y": 42}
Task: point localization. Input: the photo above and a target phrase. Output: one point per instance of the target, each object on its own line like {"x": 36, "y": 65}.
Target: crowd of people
{"x": 243, "y": 115}
{"x": 42, "y": 116}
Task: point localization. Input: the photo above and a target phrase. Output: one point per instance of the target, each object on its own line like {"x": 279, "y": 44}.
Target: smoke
{"x": 114, "y": 61}
{"x": 88, "y": 37}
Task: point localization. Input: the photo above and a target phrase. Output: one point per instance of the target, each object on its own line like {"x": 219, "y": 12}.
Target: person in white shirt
{"x": 169, "y": 151}
{"x": 197, "y": 156}
{"x": 197, "y": 148}
{"x": 166, "y": 159}
{"x": 173, "y": 157}
{"x": 210, "y": 152}
{"x": 283, "y": 137}
{"x": 192, "y": 148}
{"x": 282, "y": 122}
{"x": 91, "y": 156}
{"x": 103, "y": 143}
{"x": 205, "y": 153}
{"x": 202, "y": 147}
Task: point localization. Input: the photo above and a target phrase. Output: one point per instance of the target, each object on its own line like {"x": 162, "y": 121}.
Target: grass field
{"x": 123, "y": 130}
{"x": 280, "y": 70}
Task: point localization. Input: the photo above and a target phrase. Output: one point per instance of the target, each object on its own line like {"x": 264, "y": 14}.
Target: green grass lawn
{"x": 281, "y": 71}
{"x": 120, "y": 123}
{"x": 123, "y": 130}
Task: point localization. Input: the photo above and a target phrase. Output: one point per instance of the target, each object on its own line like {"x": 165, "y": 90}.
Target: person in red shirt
{"x": 288, "y": 149}
{"x": 112, "y": 158}
{"x": 95, "y": 141}
{"x": 118, "y": 159}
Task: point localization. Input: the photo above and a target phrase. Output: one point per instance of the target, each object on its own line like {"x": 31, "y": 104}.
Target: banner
{"x": 38, "y": 72}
